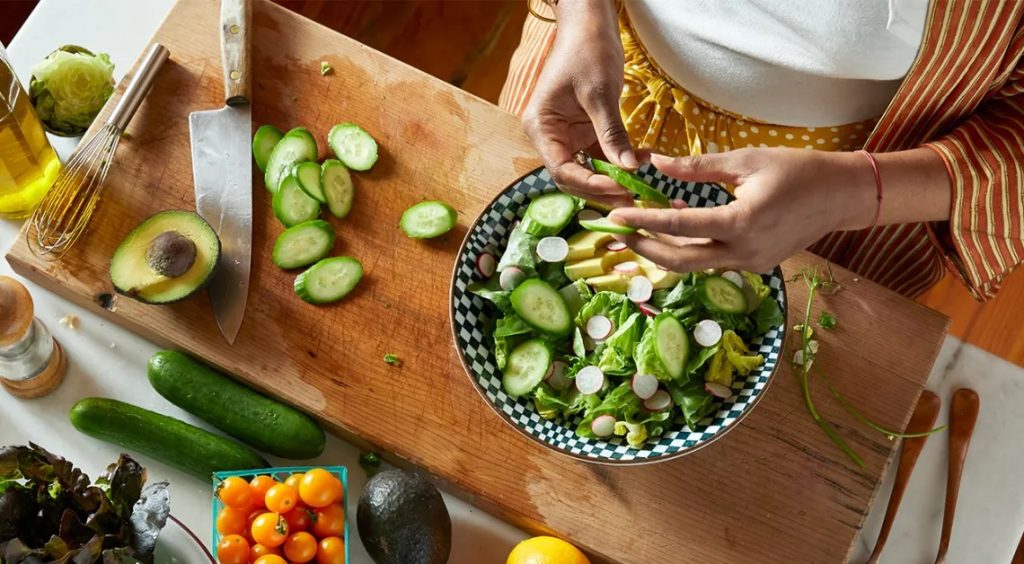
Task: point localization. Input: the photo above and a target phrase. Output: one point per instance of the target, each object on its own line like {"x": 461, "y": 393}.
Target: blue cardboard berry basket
{"x": 280, "y": 474}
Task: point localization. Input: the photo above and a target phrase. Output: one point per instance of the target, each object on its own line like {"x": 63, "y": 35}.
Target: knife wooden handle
{"x": 235, "y": 27}
{"x": 963, "y": 414}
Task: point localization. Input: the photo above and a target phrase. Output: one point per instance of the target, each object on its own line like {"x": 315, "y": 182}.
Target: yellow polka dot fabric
{"x": 661, "y": 116}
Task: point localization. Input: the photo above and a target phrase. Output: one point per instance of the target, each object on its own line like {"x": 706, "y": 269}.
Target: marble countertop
{"x": 109, "y": 361}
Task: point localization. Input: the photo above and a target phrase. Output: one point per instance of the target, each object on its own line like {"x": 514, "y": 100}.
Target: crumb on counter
{"x": 392, "y": 359}
{"x": 325, "y": 68}
{"x": 70, "y": 321}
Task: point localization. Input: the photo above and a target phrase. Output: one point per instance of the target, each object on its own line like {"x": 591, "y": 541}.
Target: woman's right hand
{"x": 576, "y": 101}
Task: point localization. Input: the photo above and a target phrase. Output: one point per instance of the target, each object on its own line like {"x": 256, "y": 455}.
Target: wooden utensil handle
{"x": 963, "y": 414}
{"x": 235, "y": 25}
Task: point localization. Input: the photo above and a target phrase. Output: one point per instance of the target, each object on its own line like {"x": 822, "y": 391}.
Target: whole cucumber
{"x": 244, "y": 414}
{"x": 163, "y": 438}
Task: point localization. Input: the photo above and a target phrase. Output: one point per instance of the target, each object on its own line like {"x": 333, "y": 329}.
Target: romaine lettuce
{"x": 617, "y": 352}
{"x": 693, "y": 401}
{"x": 608, "y": 304}
{"x": 508, "y": 332}
{"x": 519, "y": 252}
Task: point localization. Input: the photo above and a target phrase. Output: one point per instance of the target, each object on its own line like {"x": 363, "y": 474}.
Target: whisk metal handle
{"x": 139, "y": 86}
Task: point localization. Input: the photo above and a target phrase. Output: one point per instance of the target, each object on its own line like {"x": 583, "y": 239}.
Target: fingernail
{"x": 628, "y": 159}
{"x": 679, "y": 204}
{"x": 659, "y": 159}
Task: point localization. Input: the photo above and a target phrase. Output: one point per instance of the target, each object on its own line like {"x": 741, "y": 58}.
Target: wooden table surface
{"x": 774, "y": 489}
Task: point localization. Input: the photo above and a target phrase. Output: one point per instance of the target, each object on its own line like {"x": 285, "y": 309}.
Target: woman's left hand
{"x": 786, "y": 199}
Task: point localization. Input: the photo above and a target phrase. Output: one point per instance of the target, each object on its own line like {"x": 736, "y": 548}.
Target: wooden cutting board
{"x": 774, "y": 489}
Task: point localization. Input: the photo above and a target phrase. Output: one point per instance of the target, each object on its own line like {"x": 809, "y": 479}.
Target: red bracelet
{"x": 878, "y": 184}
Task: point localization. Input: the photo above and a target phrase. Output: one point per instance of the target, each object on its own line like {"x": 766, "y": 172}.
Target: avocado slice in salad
{"x": 165, "y": 258}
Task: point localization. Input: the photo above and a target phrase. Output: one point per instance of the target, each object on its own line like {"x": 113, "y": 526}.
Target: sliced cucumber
{"x": 527, "y": 365}
{"x": 672, "y": 344}
{"x": 542, "y": 308}
{"x": 293, "y": 206}
{"x": 304, "y": 244}
{"x": 630, "y": 182}
{"x": 263, "y": 143}
{"x": 428, "y": 219}
{"x": 308, "y": 175}
{"x": 722, "y": 295}
{"x": 338, "y": 188}
{"x": 549, "y": 214}
{"x": 605, "y": 225}
{"x": 329, "y": 280}
{"x": 298, "y": 145}
{"x": 353, "y": 146}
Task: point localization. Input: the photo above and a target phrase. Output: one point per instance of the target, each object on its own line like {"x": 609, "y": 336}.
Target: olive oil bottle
{"x": 28, "y": 165}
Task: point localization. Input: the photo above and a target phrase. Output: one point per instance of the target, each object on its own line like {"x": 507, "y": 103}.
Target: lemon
{"x": 546, "y": 550}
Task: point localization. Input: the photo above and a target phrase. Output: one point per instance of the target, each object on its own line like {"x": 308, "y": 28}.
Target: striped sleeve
{"x": 528, "y": 60}
{"x": 984, "y": 156}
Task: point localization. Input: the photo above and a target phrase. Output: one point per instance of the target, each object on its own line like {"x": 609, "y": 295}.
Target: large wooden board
{"x": 774, "y": 489}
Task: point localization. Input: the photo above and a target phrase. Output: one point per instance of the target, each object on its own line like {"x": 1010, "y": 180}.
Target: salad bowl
{"x": 473, "y": 319}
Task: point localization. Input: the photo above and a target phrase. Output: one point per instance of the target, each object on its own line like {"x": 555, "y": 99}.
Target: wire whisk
{"x": 64, "y": 212}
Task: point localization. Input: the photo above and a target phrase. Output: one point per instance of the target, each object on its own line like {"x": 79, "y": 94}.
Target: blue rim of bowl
{"x": 591, "y": 460}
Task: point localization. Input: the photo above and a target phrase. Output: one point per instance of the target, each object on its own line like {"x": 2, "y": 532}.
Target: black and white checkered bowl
{"x": 472, "y": 321}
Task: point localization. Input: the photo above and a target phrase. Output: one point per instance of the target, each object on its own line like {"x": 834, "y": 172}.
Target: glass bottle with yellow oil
{"x": 28, "y": 165}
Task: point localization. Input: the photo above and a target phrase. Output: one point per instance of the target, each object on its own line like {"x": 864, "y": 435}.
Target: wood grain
{"x": 235, "y": 53}
{"x": 774, "y": 489}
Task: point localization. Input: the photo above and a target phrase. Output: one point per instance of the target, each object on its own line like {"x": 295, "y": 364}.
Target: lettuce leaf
{"x": 553, "y": 273}
{"x": 738, "y": 355}
{"x": 684, "y": 292}
{"x": 617, "y": 351}
{"x": 519, "y": 252}
{"x": 608, "y": 304}
{"x": 508, "y": 332}
{"x": 720, "y": 371}
{"x": 620, "y": 402}
{"x": 767, "y": 315}
{"x": 548, "y": 402}
{"x": 696, "y": 361}
{"x": 693, "y": 401}
{"x": 500, "y": 298}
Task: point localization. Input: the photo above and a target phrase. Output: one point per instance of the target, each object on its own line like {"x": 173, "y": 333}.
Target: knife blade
{"x": 222, "y": 171}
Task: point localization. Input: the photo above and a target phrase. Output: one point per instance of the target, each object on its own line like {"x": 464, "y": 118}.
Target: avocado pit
{"x": 171, "y": 254}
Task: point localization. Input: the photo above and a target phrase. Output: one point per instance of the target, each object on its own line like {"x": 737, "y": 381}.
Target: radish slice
{"x": 649, "y": 310}
{"x": 616, "y": 246}
{"x": 485, "y": 264}
{"x": 588, "y": 215}
{"x": 628, "y": 267}
{"x": 552, "y": 249}
{"x": 603, "y": 425}
{"x": 556, "y": 376}
{"x": 734, "y": 277}
{"x": 660, "y": 401}
{"x": 707, "y": 333}
{"x": 644, "y": 385}
{"x": 589, "y": 380}
{"x": 640, "y": 289}
{"x": 599, "y": 327}
{"x": 717, "y": 390}
{"x": 510, "y": 278}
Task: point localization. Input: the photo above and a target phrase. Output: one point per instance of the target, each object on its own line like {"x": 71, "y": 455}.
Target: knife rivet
{"x": 235, "y": 74}
{"x": 234, "y": 29}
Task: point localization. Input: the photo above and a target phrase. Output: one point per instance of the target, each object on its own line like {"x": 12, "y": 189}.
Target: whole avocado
{"x": 402, "y": 519}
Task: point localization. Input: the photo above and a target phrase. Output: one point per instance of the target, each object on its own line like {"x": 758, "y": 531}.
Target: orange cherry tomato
{"x": 231, "y": 521}
{"x": 271, "y": 559}
{"x": 248, "y": 523}
{"x": 331, "y": 550}
{"x": 270, "y": 529}
{"x": 235, "y": 492}
{"x": 259, "y": 550}
{"x": 300, "y": 547}
{"x": 259, "y": 486}
{"x": 299, "y": 519}
{"x": 293, "y": 481}
{"x": 329, "y": 521}
{"x": 233, "y": 549}
{"x": 319, "y": 488}
{"x": 281, "y": 499}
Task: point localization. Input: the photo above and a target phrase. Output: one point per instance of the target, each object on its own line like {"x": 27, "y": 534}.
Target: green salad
{"x": 594, "y": 333}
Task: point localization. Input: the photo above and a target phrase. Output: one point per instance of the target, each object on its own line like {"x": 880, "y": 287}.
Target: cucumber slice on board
{"x": 298, "y": 145}
{"x": 427, "y": 220}
{"x": 293, "y": 206}
{"x": 542, "y": 308}
{"x": 303, "y": 244}
{"x": 550, "y": 213}
{"x": 672, "y": 344}
{"x": 605, "y": 225}
{"x": 329, "y": 280}
{"x": 263, "y": 143}
{"x": 722, "y": 295}
{"x": 338, "y": 188}
{"x": 353, "y": 146}
{"x": 527, "y": 365}
{"x": 308, "y": 175}
{"x": 630, "y": 182}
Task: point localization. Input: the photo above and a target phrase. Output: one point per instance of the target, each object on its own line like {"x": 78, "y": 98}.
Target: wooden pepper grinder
{"x": 32, "y": 362}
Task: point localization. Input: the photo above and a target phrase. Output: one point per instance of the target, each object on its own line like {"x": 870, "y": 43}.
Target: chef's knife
{"x": 222, "y": 171}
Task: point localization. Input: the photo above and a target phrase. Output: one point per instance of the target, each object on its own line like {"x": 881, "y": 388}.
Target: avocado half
{"x": 166, "y": 258}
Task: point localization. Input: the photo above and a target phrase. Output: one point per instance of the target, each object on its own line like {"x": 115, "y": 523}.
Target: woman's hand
{"x": 786, "y": 199}
{"x": 576, "y": 102}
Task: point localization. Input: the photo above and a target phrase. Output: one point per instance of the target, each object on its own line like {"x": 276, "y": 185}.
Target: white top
{"x": 786, "y": 62}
